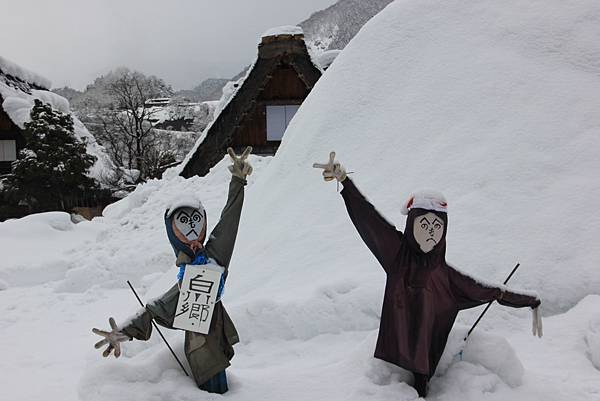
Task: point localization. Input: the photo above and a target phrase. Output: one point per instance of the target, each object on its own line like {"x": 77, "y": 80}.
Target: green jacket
{"x": 207, "y": 354}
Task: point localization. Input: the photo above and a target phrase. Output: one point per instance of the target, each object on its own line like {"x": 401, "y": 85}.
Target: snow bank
{"x": 494, "y": 104}
{"x": 31, "y": 247}
{"x": 8, "y": 67}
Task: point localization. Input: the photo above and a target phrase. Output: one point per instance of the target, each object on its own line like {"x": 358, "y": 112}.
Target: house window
{"x": 278, "y": 118}
{"x": 8, "y": 150}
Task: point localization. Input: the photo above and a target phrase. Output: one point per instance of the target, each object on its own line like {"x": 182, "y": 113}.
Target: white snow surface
{"x": 326, "y": 58}
{"x": 16, "y": 70}
{"x": 492, "y": 103}
{"x": 283, "y": 30}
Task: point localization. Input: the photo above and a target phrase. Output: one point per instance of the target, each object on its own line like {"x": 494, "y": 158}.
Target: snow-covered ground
{"x": 493, "y": 103}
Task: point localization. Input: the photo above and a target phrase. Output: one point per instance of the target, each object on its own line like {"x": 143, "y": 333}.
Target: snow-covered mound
{"x": 492, "y": 103}
{"x": 29, "y": 247}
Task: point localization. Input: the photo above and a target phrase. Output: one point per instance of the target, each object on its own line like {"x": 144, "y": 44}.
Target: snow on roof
{"x": 10, "y": 68}
{"x": 283, "y": 30}
{"x": 325, "y": 59}
{"x": 230, "y": 90}
{"x": 18, "y": 100}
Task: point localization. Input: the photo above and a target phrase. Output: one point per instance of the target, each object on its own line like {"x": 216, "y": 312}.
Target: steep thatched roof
{"x": 277, "y": 48}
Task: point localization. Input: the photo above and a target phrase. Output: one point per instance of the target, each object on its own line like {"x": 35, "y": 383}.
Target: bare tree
{"x": 127, "y": 130}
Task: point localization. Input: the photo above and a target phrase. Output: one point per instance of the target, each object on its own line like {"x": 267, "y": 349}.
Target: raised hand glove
{"x": 114, "y": 338}
{"x": 537, "y": 322}
{"x": 240, "y": 167}
{"x": 332, "y": 169}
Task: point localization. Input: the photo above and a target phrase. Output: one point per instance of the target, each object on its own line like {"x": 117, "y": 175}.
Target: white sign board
{"x": 197, "y": 297}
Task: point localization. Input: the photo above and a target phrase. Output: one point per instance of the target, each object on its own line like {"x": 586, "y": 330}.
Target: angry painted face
{"x": 428, "y": 230}
{"x": 189, "y": 222}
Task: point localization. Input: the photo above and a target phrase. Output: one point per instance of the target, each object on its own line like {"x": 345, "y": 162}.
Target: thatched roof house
{"x": 256, "y": 109}
{"x": 11, "y": 135}
{"x": 18, "y": 90}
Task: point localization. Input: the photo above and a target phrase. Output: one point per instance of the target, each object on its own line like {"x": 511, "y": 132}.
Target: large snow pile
{"x": 493, "y": 103}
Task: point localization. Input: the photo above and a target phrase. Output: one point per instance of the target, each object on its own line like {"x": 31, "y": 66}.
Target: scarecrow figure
{"x": 185, "y": 220}
{"x": 423, "y": 293}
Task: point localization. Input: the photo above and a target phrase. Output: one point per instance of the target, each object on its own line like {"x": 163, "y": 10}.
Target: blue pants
{"x": 216, "y": 384}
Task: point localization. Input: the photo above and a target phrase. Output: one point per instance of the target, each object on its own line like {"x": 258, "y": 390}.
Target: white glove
{"x": 332, "y": 169}
{"x": 240, "y": 167}
{"x": 537, "y": 322}
{"x": 113, "y": 338}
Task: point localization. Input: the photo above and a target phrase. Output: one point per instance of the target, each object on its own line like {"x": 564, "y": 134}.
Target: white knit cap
{"x": 187, "y": 200}
{"x": 426, "y": 199}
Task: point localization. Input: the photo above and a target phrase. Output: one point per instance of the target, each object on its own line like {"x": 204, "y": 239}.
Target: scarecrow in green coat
{"x": 208, "y": 355}
{"x": 423, "y": 293}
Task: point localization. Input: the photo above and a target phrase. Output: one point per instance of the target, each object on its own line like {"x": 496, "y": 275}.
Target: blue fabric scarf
{"x": 202, "y": 259}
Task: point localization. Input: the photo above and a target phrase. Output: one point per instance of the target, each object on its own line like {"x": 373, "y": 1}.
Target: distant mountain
{"x": 335, "y": 26}
{"x": 68, "y": 93}
{"x": 210, "y": 89}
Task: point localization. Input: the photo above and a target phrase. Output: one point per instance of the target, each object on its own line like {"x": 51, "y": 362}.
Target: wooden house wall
{"x": 284, "y": 87}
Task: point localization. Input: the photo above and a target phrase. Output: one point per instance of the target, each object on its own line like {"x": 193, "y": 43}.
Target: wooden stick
{"x": 490, "y": 304}
{"x": 159, "y": 332}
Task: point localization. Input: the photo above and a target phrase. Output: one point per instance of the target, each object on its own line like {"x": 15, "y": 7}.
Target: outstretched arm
{"x": 470, "y": 292}
{"x": 162, "y": 310}
{"x": 221, "y": 241}
{"x": 222, "y": 238}
{"x": 381, "y": 237}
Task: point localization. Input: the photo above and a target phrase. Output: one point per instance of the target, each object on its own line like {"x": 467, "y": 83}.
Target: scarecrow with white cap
{"x": 185, "y": 220}
{"x": 423, "y": 293}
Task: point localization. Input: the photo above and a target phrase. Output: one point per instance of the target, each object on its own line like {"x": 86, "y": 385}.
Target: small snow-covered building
{"x": 18, "y": 90}
{"x": 14, "y": 79}
{"x": 256, "y": 110}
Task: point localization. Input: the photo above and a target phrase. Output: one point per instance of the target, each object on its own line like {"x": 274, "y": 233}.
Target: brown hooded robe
{"x": 423, "y": 294}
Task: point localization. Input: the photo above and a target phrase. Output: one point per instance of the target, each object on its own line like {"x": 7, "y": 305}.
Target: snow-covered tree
{"x": 51, "y": 172}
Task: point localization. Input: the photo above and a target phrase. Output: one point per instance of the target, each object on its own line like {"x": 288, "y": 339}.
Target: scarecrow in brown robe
{"x": 423, "y": 293}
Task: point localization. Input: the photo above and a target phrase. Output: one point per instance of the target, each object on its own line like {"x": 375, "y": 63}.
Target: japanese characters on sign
{"x": 197, "y": 297}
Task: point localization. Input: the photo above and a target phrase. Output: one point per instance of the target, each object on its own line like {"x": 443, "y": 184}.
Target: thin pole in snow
{"x": 490, "y": 304}
{"x": 159, "y": 332}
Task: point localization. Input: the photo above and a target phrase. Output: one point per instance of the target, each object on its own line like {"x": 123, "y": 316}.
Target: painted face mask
{"x": 428, "y": 230}
{"x": 189, "y": 222}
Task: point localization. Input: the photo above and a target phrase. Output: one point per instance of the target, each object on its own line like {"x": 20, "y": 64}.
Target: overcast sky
{"x": 71, "y": 42}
